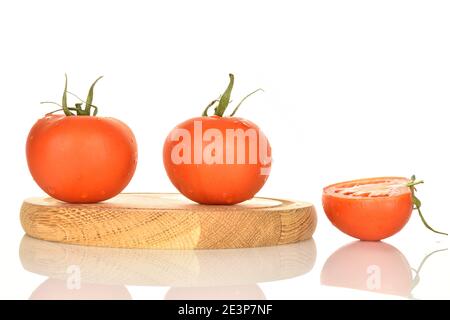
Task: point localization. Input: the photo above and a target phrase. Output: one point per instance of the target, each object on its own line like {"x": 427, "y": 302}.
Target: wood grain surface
{"x": 168, "y": 221}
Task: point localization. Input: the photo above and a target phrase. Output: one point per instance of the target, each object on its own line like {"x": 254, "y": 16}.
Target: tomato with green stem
{"x": 218, "y": 159}
{"x": 79, "y": 157}
{"x": 374, "y": 208}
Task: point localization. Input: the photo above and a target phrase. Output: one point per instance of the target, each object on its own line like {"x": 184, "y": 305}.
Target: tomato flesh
{"x": 370, "y": 188}
{"x": 369, "y": 209}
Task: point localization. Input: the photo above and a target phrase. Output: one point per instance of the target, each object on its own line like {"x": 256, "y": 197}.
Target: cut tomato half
{"x": 369, "y": 209}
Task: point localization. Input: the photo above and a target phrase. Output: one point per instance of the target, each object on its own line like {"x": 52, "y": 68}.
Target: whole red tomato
{"x": 81, "y": 158}
{"x": 217, "y": 159}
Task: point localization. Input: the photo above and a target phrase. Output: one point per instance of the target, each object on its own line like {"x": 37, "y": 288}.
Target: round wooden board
{"x": 168, "y": 221}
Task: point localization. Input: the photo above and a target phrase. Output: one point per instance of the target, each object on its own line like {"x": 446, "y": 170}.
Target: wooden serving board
{"x": 168, "y": 221}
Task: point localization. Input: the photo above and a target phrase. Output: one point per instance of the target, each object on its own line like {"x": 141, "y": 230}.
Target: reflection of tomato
{"x": 81, "y": 158}
{"x": 217, "y": 159}
{"x": 369, "y": 209}
{"x": 370, "y": 266}
{"x": 56, "y": 289}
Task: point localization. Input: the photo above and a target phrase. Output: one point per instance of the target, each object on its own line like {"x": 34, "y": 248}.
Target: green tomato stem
{"x": 51, "y": 102}
{"x": 78, "y": 109}
{"x": 64, "y": 99}
{"x": 205, "y": 112}
{"x": 70, "y": 108}
{"x": 417, "y": 204}
{"x": 427, "y": 225}
{"x": 225, "y": 98}
{"x": 243, "y": 99}
{"x": 90, "y": 96}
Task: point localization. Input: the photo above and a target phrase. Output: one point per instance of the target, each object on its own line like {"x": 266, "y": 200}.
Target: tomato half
{"x": 81, "y": 159}
{"x": 369, "y": 209}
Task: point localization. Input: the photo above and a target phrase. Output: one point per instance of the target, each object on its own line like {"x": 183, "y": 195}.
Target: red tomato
{"x": 81, "y": 159}
{"x": 216, "y": 183}
{"x": 217, "y": 159}
{"x": 369, "y": 209}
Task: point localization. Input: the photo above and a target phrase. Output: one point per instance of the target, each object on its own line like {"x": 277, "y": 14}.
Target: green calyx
{"x": 78, "y": 110}
{"x": 417, "y": 204}
{"x": 224, "y": 100}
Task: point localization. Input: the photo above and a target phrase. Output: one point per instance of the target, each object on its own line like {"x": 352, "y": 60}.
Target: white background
{"x": 352, "y": 89}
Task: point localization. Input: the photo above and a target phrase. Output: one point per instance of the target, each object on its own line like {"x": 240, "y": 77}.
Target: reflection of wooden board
{"x": 178, "y": 268}
{"x": 168, "y": 221}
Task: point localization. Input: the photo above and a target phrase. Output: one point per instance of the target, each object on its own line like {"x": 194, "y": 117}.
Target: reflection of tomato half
{"x": 369, "y": 209}
{"x": 370, "y": 266}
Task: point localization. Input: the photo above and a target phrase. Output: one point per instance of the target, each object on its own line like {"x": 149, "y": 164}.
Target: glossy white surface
{"x": 330, "y": 266}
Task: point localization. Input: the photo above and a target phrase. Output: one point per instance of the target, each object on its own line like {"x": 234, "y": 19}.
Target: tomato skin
{"x": 220, "y": 184}
{"x": 369, "y": 219}
{"x": 81, "y": 159}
